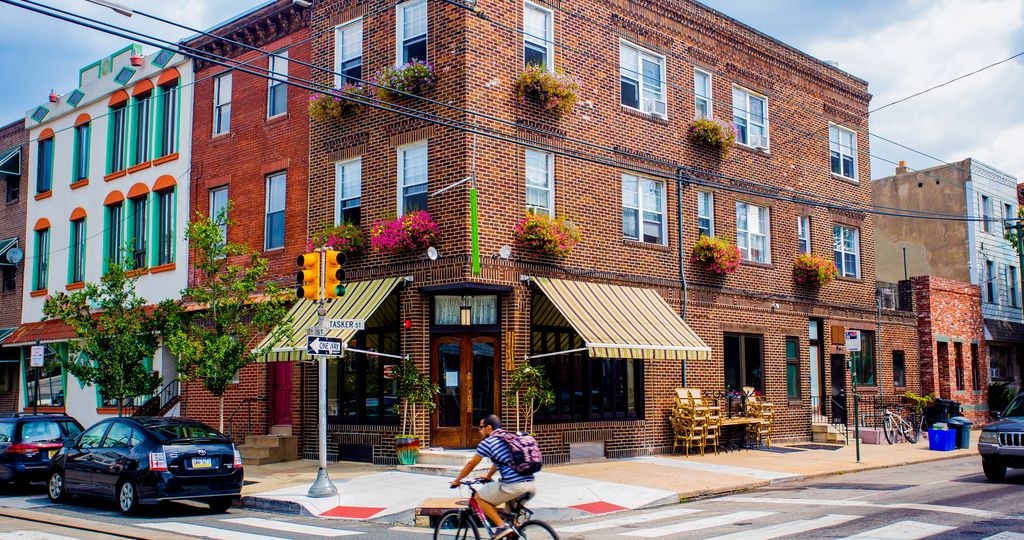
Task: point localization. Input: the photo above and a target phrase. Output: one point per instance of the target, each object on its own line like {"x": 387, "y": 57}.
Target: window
{"x": 793, "y": 368}
{"x": 705, "y": 213}
{"x": 277, "y": 84}
{"x": 990, "y": 282}
{"x": 483, "y": 310}
{"x": 864, "y": 360}
{"x": 899, "y": 369}
{"x": 540, "y": 189}
{"x": 1001, "y": 363}
{"x": 115, "y": 233}
{"x": 412, "y": 177}
{"x": 702, "y": 93}
{"x": 40, "y": 432}
{"x": 986, "y": 213}
{"x": 44, "y": 165}
{"x": 42, "y": 260}
{"x": 958, "y": 358}
{"x": 142, "y": 123}
{"x": 51, "y": 381}
{"x": 118, "y": 138}
{"x": 348, "y": 188}
{"x": 222, "y": 104}
{"x": 643, "y": 209}
{"x": 76, "y": 272}
{"x": 1007, "y": 212}
{"x": 165, "y": 227}
{"x": 975, "y": 369}
{"x": 411, "y": 19}
{"x": 846, "y": 247}
{"x": 93, "y": 436}
{"x": 753, "y": 233}
{"x": 219, "y": 206}
{"x": 538, "y": 36}
{"x": 803, "y": 234}
{"x": 13, "y": 187}
{"x": 274, "y": 234}
{"x": 139, "y": 237}
{"x": 357, "y": 390}
{"x": 1011, "y": 285}
{"x": 8, "y": 277}
{"x": 348, "y": 53}
{"x": 642, "y": 80}
{"x": 119, "y": 436}
{"x": 168, "y": 119}
{"x": 80, "y": 166}
{"x": 744, "y": 361}
{"x": 750, "y": 114}
{"x": 842, "y": 147}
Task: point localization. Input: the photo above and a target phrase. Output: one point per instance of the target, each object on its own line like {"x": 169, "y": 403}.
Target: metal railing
{"x": 247, "y": 403}
{"x": 829, "y": 411}
{"x": 156, "y": 404}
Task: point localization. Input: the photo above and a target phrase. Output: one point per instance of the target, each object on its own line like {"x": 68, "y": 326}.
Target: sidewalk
{"x": 574, "y": 491}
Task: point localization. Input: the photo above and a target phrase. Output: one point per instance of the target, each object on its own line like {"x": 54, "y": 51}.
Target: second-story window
{"x": 412, "y": 177}
{"x": 140, "y": 217}
{"x": 140, "y": 143}
{"x": 348, "y": 53}
{"x": 76, "y": 270}
{"x": 540, "y": 189}
{"x": 118, "y": 138}
{"x": 643, "y": 209}
{"x": 168, "y": 143}
{"x": 411, "y": 31}
{"x": 222, "y": 104}
{"x": 753, "y": 232}
{"x": 115, "y": 233}
{"x": 990, "y": 282}
{"x": 705, "y": 213}
{"x": 44, "y": 165}
{"x": 277, "y": 89}
{"x": 986, "y": 213}
{"x": 1011, "y": 285}
{"x": 80, "y": 166}
{"x": 165, "y": 226}
{"x": 702, "y": 93}
{"x": 842, "y": 147}
{"x": 846, "y": 245}
{"x": 274, "y": 233}
{"x": 750, "y": 114}
{"x": 348, "y": 187}
{"x": 218, "y": 210}
{"x": 803, "y": 234}
{"x": 538, "y": 36}
{"x": 42, "y": 260}
{"x": 642, "y": 79}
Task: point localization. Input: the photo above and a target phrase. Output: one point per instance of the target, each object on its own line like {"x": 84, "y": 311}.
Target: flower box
{"x": 333, "y": 105}
{"x": 346, "y": 238}
{"x": 715, "y": 255}
{"x": 553, "y": 91}
{"x": 415, "y": 231}
{"x": 814, "y": 271}
{"x": 544, "y": 235}
{"x": 714, "y": 133}
{"x": 414, "y": 77}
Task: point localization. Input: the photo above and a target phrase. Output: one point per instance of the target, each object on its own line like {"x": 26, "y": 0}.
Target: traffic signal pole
{"x": 322, "y": 486}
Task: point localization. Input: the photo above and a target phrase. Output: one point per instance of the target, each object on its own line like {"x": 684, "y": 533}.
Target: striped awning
{"x": 361, "y": 299}
{"x": 10, "y": 161}
{"x": 623, "y": 322}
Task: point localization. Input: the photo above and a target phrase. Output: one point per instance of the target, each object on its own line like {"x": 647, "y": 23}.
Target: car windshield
{"x": 1015, "y": 408}
{"x": 6, "y": 431}
{"x": 40, "y": 432}
{"x": 183, "y": 431}
{"x": 71, "y": 428}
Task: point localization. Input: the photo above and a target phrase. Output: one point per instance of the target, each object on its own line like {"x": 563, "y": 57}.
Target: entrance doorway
{"x": 279, "y": 378}
{"x": 837, "y": 406}
{"x": 465, "y": 367}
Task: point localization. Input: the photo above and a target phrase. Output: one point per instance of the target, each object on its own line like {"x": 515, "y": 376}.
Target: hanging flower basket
{"x": 715, "y": 256}
{"x": 332, "y": 105}
{"x": 714, "y": 133}
{"x": 346, "y": 238}
{"x": 415, "y": 231}
{"x": 414, "y": 77}
{"x": 555, "y": 92}
{"x": 814, "y": 271}
{"x": 543, "y": 235}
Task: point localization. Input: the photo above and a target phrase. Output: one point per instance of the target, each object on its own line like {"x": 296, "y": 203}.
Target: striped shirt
{"x": 499, "y": 453}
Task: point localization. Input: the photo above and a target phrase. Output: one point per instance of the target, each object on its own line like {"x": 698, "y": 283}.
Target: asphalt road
{"x": 948, "y": 499}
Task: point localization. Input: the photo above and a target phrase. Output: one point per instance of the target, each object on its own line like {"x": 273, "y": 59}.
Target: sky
{"x": 899, "y": 46}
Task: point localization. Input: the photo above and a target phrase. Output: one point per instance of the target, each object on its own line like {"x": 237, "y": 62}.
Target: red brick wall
{"x": 12, "y": 221}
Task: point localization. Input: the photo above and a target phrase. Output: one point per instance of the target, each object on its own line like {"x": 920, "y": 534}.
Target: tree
{"x": 236, "y": 304}
{"x": 1011, "y": 234}
{"x": 116, "y": 332}
{"x": 529, "y": 389}
{"x": 414, "y": 391}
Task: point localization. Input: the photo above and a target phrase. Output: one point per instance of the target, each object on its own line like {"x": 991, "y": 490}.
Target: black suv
{"x": 28, "y": 441}
{"x": 1002, "y": 443}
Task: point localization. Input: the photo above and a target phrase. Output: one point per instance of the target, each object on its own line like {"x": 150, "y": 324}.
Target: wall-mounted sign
{"x": 853, "y": 340}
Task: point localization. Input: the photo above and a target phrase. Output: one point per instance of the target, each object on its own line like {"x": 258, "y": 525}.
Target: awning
{"x": 1004, "y": 331}
{"x": 10, "y": 161}
{"x": 5, "y": 246}
{"x": 4, "y": 332}
{"x": 361, "y": 299}
{"x": 50, "y": 331}
{"x": 623, "y": 322}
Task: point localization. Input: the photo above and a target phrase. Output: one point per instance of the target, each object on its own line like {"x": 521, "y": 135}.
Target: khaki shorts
{"x": 499, "y": 492}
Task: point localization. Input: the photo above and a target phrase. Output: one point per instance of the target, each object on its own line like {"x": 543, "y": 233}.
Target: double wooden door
{"x": 466, "y": 369}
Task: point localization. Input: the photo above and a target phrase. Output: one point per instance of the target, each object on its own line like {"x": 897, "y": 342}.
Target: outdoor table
{"x": 729, "y": 443}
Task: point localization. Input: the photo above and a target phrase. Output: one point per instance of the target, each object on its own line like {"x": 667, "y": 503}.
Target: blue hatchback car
{"x": 28, "y": 442}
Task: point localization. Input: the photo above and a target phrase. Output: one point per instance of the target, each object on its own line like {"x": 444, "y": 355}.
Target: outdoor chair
{"x": 689, "y": 432}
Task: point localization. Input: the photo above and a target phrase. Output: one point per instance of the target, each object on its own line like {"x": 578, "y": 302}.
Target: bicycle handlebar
{"x": 472, "y": 482}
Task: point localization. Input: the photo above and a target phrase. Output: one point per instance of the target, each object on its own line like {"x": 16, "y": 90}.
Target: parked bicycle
{"x": 894, "y": 424}
{"x": 464, "y": 523}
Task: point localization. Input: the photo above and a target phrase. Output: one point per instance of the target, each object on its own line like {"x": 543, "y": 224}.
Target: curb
{"x": 276, "y": 506}
{"x": 108, "y": 529}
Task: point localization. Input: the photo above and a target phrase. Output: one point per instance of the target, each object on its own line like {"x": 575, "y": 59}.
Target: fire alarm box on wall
{"x": 838, "y": 335}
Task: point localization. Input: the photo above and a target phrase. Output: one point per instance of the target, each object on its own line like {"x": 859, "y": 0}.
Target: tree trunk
{"x": 518, "y": 411}
{"x": 221, "y": 399}
{"x": 405, "y": 416}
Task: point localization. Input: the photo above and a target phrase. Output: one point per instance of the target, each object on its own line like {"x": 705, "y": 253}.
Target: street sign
{"x": 389, "y": 371}
{"x": 316, "y": 331}
{"x": 323, "y": 346}
{"x": 346, "y": 324}
{"x": 38, "y": 355}
{"x": 853, "y": 340}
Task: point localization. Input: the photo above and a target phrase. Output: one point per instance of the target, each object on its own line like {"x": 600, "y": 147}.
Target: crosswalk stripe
{"x": 792, "y": 527}
{"x": 205, "y": 532}
{"x": 958, "y": 510}
{"x": 697, "y": 524}
{"x": 299, "y": 528}
{"x": 627, "y": 520}
{"x": 1006, "y": 535}
{"x": 34, "y": 535}
{"x": 903, "y": 530}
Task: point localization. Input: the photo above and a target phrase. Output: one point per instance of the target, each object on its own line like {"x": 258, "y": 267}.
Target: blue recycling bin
{"x": 941, "y": 440}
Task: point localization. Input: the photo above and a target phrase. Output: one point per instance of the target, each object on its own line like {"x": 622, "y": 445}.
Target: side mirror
{"x": 69, "y": 443}
{"x": 996, "y": 415}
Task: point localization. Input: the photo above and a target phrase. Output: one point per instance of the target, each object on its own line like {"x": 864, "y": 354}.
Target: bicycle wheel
{"x": 909, "y": 432}
{"x": 456, "y": 525}
{"x": 889, "y": 428}
{"x": 537, "y": 530}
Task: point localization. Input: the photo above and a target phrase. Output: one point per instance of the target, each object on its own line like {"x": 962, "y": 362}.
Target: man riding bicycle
{"x": 512, "y": 484}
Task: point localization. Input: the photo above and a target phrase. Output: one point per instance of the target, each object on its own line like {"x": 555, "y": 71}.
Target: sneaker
{"x": 502, "y": 532}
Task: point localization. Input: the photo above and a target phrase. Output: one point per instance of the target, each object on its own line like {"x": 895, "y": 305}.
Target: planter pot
{"x": 408, "y": 449}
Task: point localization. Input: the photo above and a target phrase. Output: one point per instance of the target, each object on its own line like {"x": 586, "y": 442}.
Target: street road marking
{"x": 903, "y": 530}
{"x": 711, "y": 467}
{"x": 959, "y": 510}
{"x": 627, "y": 520}
{"x": 792, "y": 527}
{"x": 205, "y": 532}
{"x": 1006, "y": 535}
{"x": 276, "y": 525}
{"x": 697, "y": 524}
{"x": 33, "y": 535}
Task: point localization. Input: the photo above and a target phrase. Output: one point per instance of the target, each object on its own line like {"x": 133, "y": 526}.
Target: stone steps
{"x": 826, "y": 433}
{"x": 264, "y": 449}
{"x": 438, "y": 462}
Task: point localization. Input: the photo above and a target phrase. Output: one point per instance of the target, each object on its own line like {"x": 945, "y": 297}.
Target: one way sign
{"x": 323, "y": 346}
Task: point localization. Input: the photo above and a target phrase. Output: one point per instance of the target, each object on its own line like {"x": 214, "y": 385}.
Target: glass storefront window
{"x": 448, "y": 309}
{"x": 864, "y": 360}
{"x": 357, "y": 390}
{"x": 51, "y": 381}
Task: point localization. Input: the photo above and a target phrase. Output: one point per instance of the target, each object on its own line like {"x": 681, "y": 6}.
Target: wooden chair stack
{"x": 695, "y": 423}
{"x": 760, "y": 432}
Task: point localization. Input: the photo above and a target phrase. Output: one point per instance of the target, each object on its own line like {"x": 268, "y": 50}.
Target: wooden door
{"x": 466, "y": 370}
{"x": 280, "y": 380}
{"x": 837, "y": 405}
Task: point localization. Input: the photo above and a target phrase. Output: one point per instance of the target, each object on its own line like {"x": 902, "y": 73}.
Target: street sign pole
{"x": 322, "y": 486}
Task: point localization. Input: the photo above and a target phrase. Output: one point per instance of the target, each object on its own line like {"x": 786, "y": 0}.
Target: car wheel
{"x": 55, "y": 488}
{"x": 127, "y": 498}
{"x": 994, "y": 471}
{"x": 220, "y": 504}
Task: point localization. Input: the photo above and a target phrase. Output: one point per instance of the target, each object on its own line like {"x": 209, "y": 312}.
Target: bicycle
{"x": 464, "y": 523}
{"x": 893, "y": 422}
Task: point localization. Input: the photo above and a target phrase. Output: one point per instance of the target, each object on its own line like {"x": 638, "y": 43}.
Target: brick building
{"x": 13, "y": 168}
{"x": 251, "y": 141}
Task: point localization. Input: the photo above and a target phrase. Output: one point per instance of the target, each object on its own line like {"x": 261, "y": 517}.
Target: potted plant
{"x": 529, "y": 389}
{"x": 334, "y": 104}
{"x": 415, "y": 231}
{"x": 415, "y": 395}
{"x": 414, "y": 77}
{"x": 714, "y": 133}
{"x": 814, "y": 271}
{"x": 715, "y": 255}
{"x": 553, "y": 91}
{"x": 346, "y": 238}
{"x": 544, "y": 235}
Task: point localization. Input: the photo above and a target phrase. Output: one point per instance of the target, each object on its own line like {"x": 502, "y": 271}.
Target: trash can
{"x": 963, "y": 430}
{"x": 941, "y": 410}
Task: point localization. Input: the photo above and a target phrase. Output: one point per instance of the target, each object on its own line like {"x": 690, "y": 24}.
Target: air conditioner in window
{"x": 759, "y": 142}
{"x": 994, "y": 373}
{"x": 653, "y": 106}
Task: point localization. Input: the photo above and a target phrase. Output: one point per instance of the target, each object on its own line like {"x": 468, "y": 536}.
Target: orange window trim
{"x": 46, "y": 134}
{"x": 42, "y": 224}
{"x": 75, "y": 286}
{"x": 113, "y": 197}
{"x": 117, "y": 98}
{"x": 81, "y": 183}
{"x": 138, "y": 190}
{"x": 82, "y": 119}
{"x": 164, "y": 182}
{"x": 142, "y": 87}
{"x": 38, "y": 293}
{"x": 169, "y": 75}
{"x": 44, "y": 195}
{"x": 77, "y": 214}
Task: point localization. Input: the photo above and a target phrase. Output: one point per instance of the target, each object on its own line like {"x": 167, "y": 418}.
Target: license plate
{"x": 51, "y": 453}
{"x": 202, "y": 463}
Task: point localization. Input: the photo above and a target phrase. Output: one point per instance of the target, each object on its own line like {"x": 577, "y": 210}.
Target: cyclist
{"x": 512, "y": 484}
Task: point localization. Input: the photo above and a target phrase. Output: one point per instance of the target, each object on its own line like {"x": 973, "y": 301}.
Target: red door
{"x": 280, "y": 380}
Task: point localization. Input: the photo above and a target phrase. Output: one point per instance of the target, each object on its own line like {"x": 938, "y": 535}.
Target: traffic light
{"x": 334, "y": 274}
{"x": 307, "y": 279}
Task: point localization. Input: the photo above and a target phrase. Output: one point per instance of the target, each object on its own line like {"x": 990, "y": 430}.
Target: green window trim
{"x": 108, "y": 229}
{"x": 60, "y": 349}
{"x": 44, "y": 150}
{"x": 157, "y": 211}
{"x": 76, "y": 174}
{"x": 74, "y": 239}
{"x": 161, "y": 107}
{"x": 40, "y": 276}
{"x": 148, "y": 362}
{"x": 793, "y": 368}
{"x": 131, "y": 236}
{"x": 111, "y": 129}
{"x": 136, "y": 108}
